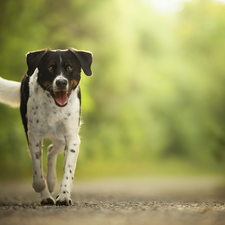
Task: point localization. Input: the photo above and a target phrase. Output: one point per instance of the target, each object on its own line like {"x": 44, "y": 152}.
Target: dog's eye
{"x": 50, "y": 68}
{"x": 69, "y": 68}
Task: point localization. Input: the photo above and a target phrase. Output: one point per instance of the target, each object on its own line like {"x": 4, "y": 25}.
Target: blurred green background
{"x": 155, "y": 104}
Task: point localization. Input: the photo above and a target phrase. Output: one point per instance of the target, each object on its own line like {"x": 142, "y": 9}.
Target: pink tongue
{"x": 61, "y": 97}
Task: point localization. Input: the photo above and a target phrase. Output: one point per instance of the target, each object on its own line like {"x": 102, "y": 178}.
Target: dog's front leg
{"x": 70, "y": 159}
{"x": 35, "y": 148}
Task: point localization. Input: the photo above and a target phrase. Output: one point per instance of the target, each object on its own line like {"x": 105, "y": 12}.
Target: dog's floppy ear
{"x": 85, "y": 59}
{"x": 33, "y": 60}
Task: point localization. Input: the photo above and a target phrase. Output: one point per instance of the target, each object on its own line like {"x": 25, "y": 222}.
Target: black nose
{"x": 61, "y": 83}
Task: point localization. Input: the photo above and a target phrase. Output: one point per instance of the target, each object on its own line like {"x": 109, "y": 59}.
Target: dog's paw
{"x": 38, "y": 185}
{"x": 63, "y": 200}
{"x": 48, "y": 201}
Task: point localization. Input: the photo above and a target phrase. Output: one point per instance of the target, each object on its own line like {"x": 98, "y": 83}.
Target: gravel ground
{"x": 162, "y": 201}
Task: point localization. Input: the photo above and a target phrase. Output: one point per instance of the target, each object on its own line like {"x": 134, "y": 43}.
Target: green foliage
{"x": 157, "y": 95}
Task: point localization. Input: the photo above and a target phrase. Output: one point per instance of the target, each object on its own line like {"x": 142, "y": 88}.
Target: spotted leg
{"x": 35, "y": 148}
{"x": 71, "y": 154}
{"x": 53, "y": 151}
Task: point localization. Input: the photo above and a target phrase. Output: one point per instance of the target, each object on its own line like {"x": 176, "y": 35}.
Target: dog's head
{"x": 59, "y": 71}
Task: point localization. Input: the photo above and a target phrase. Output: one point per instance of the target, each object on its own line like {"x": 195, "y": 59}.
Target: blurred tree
{"x": 158, "y": 85}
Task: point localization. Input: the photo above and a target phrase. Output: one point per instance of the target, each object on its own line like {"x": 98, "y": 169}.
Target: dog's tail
{"x": 10, "y": 92}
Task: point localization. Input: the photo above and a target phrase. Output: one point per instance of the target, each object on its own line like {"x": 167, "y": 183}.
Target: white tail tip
{"x": 10, "y": 92}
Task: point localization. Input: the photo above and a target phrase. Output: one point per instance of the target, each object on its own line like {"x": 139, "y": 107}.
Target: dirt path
{"x": 141, "y": 201}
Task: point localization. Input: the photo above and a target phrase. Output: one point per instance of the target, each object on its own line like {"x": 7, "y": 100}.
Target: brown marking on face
{"x": 74, "y": 83}
{"x": 46, "y": 84}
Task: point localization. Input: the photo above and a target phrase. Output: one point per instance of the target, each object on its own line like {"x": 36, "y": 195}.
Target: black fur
{"x": 24, "y": 98}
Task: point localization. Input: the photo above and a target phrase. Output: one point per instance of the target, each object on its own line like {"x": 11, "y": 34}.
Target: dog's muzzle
{"x": 60, "y": 90}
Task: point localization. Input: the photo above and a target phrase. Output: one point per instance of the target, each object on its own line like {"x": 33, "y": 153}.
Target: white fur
{"x": 10, "y": 92}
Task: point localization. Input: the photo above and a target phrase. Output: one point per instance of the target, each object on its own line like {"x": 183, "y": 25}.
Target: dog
{"x": 49, "y": 97}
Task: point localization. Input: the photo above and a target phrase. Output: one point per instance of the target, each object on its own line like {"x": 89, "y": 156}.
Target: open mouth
{"x": 61, "y": 97}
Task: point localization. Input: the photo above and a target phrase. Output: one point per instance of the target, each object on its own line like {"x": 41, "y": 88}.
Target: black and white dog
{"x": 49, "y": 97}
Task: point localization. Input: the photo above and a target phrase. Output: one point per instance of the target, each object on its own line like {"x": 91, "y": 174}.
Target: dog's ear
{"x": 33, "y": 60}
{"x": 85, "y": 59}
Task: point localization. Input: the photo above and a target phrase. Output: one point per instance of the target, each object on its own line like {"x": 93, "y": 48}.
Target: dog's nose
{"x": 61, "y": 83}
